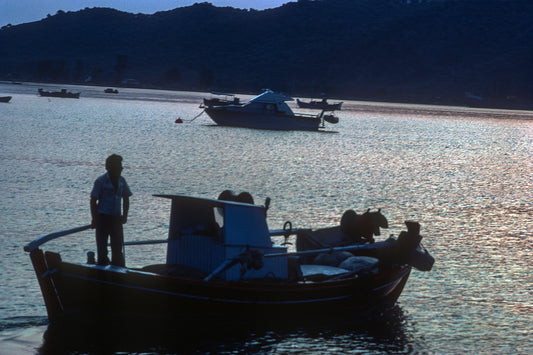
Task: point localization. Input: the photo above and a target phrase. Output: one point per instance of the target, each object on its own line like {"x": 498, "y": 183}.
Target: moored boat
{"x": 63, "y": 93}
{"x": 221, "y": 261}
{"x": 221, "y": 99}
{"x": 267, "y": 111}
{"x": 319, "y": 105}
{"x": 5, "y": 98}
{"x": 111, "y": 91}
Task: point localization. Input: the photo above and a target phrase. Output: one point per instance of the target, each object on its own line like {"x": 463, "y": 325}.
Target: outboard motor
{"x": 363, "y": 227}
{"x": 409, "y": 250}
{"x": 331, "y": 119}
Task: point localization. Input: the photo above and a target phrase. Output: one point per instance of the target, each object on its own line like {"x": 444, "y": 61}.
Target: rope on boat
{"x": 179, "y": 120}
{"x": 249, "y": 259}
{"x": 197, "y": 116}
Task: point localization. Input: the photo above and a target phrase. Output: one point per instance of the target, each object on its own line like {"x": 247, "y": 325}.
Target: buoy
{"x": 179, "y": 120}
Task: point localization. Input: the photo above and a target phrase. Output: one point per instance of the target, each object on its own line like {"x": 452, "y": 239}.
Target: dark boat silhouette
{"x": 63, "y": 93}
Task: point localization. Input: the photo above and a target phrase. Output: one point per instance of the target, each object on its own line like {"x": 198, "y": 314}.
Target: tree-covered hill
{"x": 441, "y": 51}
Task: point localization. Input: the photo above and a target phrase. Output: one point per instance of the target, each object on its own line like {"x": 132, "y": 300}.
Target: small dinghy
{"x": 63, "y": 94}
{"x": 319, "y": 105}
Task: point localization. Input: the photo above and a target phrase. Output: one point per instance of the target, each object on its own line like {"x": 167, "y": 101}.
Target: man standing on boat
{"x": 108, "y": 192}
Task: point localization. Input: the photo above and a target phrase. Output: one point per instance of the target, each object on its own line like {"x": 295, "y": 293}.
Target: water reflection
{"x": 381, "y": 331}
{"x": 465, "y": 174}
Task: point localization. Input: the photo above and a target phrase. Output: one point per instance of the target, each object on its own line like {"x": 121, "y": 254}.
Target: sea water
{"x": 464, "y": 174}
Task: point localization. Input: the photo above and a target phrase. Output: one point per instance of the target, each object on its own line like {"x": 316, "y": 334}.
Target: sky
{"x": 15, "y": 12}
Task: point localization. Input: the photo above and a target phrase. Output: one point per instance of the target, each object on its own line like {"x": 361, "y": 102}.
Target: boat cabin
{"x": 206, "y": 233}
{"x": 270, "y": 101}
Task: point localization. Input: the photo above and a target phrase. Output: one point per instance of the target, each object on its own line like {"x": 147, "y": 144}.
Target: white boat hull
{"x": 236, "y": 117}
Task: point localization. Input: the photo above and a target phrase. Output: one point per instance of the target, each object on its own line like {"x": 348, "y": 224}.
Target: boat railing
{"x": 51, "y": 236}
{"x": 48, "y": 237}
{"x": 373, "y": 246}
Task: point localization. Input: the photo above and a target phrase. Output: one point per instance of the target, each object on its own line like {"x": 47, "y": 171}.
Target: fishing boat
{"x": 267, "y": 111}
{"x": 63, "y": 93}
{"x": 221, "y": 99}
{"x": 319, "y": 105}
{"x": 5, "y": 98}
{"x": 221, "y": 261}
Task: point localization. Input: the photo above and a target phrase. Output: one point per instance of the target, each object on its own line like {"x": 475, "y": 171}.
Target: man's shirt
{"x": 109, "y": 199}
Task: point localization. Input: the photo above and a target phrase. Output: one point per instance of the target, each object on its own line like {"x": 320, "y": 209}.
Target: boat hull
{"x": 62, "y": 94}
{"x": 236, "y": 117}
{"x": 82, "y": 290}
{"x": 5, "y": 98}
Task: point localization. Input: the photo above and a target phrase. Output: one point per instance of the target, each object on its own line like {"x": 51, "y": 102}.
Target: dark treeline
{"x": 440, "y": 51}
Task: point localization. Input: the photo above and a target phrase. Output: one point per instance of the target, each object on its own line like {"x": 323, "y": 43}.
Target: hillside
{"x": 441, "y": 51}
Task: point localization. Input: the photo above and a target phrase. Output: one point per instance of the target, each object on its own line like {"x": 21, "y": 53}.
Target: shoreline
{"x": 354, "y": 104}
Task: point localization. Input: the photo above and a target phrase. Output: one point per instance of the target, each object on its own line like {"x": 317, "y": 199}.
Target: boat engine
{"x": 331, "y": 119}
{"x": 409, "y": 250}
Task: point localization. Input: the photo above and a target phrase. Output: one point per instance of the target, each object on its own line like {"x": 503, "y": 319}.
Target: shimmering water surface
{"x": 464, "y": 174}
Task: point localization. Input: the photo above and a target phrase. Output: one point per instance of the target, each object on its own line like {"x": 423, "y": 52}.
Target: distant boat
{"x": 223, "y": 100}
{"x": 267, "y": 111}
{"x": 5, "y": 98}
{"x": 111, "y": 91}
{"x": 63, "y": 93}
{"x": 319, "y": 105}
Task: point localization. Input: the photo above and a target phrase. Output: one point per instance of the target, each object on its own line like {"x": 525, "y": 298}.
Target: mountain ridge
{"x": 450, "y": 52}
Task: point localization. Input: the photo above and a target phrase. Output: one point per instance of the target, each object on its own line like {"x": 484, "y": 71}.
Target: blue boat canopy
{"x": 271, "y": 97}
